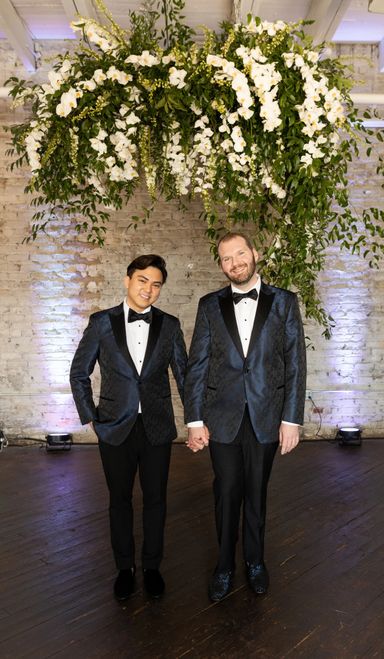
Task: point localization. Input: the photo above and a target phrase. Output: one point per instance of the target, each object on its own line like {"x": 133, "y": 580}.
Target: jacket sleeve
{"x": 197, "y": 369}
{"x": 295, "y": 365}
{"x": 82, "y": 367}
{"x": 179, "y": 360}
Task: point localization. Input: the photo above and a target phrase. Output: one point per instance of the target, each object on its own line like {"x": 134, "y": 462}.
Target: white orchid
{"x": 144, "y": 59}
{"x": 99, "y": 76}
{"x": 176, "y": 77}
{"x": 119, "y": 76}
{"x": 68, "y": 102}
{"x": 56, "y": 79}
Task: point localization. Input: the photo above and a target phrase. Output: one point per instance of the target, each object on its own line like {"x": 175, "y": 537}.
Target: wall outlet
{"x": 308, "y": 394}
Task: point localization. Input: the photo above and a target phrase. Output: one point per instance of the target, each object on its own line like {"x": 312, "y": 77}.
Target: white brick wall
{"x": 48, "y": 289}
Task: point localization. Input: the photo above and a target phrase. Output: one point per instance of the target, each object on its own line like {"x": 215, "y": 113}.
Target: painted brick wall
{"x": 49, "y": 288}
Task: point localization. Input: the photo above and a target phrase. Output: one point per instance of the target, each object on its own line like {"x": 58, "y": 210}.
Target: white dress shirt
{"x": 245, "y": 312}
{"x": 137, "y": 339}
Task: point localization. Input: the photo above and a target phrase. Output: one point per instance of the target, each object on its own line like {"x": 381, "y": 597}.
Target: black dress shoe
{"x": 258, "y": 578}
{"x": 220, "y": 586}
{"x": 153, "y": 583}
{"x": 124, "y": 584}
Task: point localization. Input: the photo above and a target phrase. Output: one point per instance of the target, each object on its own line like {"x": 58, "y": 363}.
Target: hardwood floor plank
{"x": 325, "y": 545}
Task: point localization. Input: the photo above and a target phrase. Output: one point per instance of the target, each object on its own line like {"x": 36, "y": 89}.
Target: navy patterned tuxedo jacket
{"x": 104, "y": 340}
{"x": 271, "y": 379}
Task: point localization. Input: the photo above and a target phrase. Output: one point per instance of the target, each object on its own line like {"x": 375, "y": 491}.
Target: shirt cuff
{"x": 195, "y": 424}
{"x": 288, "y": 423}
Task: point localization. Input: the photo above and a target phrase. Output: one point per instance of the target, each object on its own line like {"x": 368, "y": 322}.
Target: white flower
{"x": 238, "y": 141}
{"x": 306, "y": 159}
{"x": 95, "y": 182}
{"x": 119, "y": 76}
{"x": 246, "y": 113}
{"x": 56, "y": 79}
{"x": 176, "y": 77}
{"x": 312, "y": 55}
{"x": 66, "y": 66}
{"x": 98, "y": 145}
{"x": 166, "y": 59}
{"x": 132, "y": 59}
{"x": 132, "y": 118}
{"x": 214, "y": 60}
{"x": 68, "y": 102}
{"x": 89, "y": 85}
{"x": 195, "y": 109}
{"x": 289, "y": 59}
{"x": 232, "y": 118}
{"x": 145, "y": 59}
{"x": 227, "y": 144}
{"x": 99, "y": 76}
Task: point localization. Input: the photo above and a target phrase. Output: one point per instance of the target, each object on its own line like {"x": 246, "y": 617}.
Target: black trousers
{"x": 120, "y": 465}
{"x": 242, "y": 470}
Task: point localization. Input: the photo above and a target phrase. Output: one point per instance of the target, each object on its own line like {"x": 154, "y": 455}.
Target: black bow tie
{"x": 236, "y": 297}
{"x": 133, "y": 315}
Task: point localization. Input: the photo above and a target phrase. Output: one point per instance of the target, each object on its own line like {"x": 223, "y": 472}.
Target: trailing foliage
{"x": 255, "y": 121}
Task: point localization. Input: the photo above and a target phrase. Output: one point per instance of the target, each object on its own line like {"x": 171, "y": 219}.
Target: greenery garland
{"x": 256, "y": 121}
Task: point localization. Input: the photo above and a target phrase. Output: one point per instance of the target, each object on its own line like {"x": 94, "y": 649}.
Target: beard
{"x": 245, "y": 276}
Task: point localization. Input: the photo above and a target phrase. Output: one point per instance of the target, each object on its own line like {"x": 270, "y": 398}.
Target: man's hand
{"x": 288, "y": 437}
{"x": 198, "y": 438}
{"x": 91, "y": 426}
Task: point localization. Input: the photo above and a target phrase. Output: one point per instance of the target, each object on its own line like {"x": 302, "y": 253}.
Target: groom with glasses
{"x": 135, "y": 344}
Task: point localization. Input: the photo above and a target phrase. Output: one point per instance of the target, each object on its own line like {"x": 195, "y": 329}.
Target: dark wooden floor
{"x": 325, "y": 552}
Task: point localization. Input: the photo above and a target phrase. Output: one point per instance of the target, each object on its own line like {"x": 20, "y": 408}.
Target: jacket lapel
{"x": 226, "y": 306}
{"x": 119, "y": 332}
{"x": 154, "y": 333}
{"x": 263, "y": 308}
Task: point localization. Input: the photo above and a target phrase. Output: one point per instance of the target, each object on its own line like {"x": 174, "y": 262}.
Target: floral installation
{"x": 255, "y": 121}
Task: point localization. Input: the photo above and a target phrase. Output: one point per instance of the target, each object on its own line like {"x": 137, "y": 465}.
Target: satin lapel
{"x": 153, "y": 335}
{"x": 118, "y": 328}
{"x": 226, "y": 305}
{"x": 263, "y": 309}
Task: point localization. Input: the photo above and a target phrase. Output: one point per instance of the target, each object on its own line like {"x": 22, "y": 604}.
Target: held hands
{"x": 198, "y": 438}
{"x": 288, "y": 437}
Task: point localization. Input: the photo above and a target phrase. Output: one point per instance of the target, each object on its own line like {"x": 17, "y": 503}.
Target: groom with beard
{"x": 245, "y": 383}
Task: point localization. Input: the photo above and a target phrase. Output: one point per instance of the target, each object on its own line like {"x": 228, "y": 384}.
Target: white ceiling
{"x": 23, "y": 21}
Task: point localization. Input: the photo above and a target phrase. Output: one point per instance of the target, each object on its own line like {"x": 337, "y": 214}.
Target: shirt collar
{"x": 127, "y": 307}
{"x": 238, "y": 290}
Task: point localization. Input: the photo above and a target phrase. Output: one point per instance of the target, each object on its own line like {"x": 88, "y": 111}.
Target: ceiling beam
{"x": 74, "y": 8}
{"x": 327, "y": 15}
{"x": 18, "y": 35}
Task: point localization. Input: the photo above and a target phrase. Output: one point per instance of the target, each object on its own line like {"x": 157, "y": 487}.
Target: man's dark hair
{"x": 146, "y": 261}
{"x": 234, "y": 234}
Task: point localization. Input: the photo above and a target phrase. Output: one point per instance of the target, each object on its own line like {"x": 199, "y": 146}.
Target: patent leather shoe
{"x": 124, "y": 584}
{"x": 220, "y": 585}
{"x": 153, "y": 583}
{"x": 258, "y": 578}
